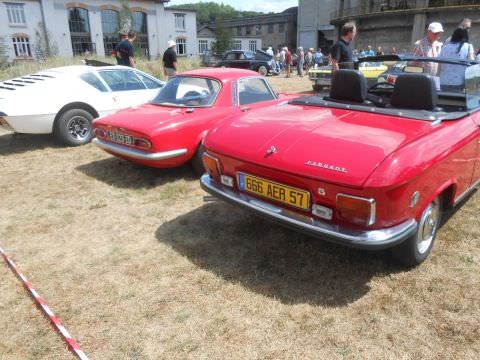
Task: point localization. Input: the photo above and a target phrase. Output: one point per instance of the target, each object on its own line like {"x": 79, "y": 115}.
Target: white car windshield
{"x": 185, "y": 91}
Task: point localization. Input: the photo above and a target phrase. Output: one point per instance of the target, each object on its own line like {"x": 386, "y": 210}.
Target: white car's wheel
{"x": 74, "y": 127}
{"x": 416, "y": 249}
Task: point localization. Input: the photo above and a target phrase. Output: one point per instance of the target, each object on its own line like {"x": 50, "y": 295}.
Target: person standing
{"x": 170, "y": 60}
{"x": 341, "y": 54}
{"x": 288, "y": 62}
{"x": 124, "y": 51}
{"x": 300, "y": 61}
{"x": 379, "y": 51}
{"x": 318, "y": 58}
{"x": 370, "y": 51}
{"x": 430, "y": 46}
{"x": 309, "y": 60}
{"x": 282, "y": 59}
{"x": 452, "y": 77}
{"x": 465, "y": 24}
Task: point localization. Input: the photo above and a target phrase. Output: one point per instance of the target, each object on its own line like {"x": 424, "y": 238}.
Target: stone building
{"x": 274, "y": 30}
{"x": 314, "y": 28}
{"x": 92, "y": 26}
{"x": 206, "y": 37}
{"x": 399, "y": 23}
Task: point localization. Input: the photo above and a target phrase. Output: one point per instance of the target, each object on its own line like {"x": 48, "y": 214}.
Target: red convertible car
{"x": 168, "y": 131}
{"x": 369, "y": 168}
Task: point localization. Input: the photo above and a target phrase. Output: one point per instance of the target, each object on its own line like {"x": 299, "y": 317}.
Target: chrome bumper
{"x": 366, "y": 239}
{"x": 137, "y": 154}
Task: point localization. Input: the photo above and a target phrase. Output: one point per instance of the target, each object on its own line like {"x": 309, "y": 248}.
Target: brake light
{"x": 358, "y": 210}
{"x": 142, "y": 143}
{"x": 211, "y": 164}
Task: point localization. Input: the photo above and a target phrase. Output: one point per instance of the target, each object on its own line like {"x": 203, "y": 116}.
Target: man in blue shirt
{"x": 124, "y": 51}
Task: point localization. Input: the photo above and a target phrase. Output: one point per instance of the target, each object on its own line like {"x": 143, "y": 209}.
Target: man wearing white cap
{"x": 170, "y": 60}
{"x": 430, "y": 46}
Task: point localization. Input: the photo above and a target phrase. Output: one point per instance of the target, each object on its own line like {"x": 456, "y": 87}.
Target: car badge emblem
{"x": 271, "y": 151}
{"x": 326, "y": 166}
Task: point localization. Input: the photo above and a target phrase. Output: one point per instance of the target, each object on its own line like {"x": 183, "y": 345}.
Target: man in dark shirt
{"x": 124, "y": 51}
{"x": 170, "y": 60}
{"x": 342, "y": 57}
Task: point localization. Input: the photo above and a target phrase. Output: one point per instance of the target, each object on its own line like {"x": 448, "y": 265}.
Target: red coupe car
{"x": 168, "y": 131}
{"x": 370, "y": 168}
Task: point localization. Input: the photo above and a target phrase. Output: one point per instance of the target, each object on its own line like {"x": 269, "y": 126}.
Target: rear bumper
{"x": 137, "y": 154}
{"x": 28, "y": 124}
{"x": 370, "y": 239}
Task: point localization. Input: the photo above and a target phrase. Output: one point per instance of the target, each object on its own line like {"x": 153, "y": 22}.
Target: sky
{"x": 250, "y": 5}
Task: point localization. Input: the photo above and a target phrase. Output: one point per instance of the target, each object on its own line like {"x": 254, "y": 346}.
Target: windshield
{"x": 448, "y": 75}
{"x": 184, "y": 91}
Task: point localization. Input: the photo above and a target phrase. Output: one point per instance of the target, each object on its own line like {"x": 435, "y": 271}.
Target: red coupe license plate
{"x": 120, "y": 138}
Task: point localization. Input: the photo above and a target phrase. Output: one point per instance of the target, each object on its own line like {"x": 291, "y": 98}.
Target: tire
{"x": 74, "y": 127}
{"x": 262, "y": 70}
{"x": 317, "y": 87}
{"x": 416, "y": 249}
{"x": 197, "y": 163}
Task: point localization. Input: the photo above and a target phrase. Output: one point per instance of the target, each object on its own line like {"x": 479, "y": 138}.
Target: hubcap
{"x": 428, "y": 227}
{"x": 78, "y": 127}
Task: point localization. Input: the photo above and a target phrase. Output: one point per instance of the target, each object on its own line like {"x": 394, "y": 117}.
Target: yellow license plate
{"x": 274, "y": 191}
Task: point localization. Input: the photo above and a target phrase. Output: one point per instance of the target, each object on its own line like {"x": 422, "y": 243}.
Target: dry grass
{"x": 138, "y": 266}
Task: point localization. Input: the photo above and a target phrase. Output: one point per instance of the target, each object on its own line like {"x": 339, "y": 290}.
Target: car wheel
{"x": 262, "y": 70}
{"x": 317, "y": 87}
{"x": 416, "y": 249}
{"x": 74, "y": 127}
{"x": 197, "y": 163}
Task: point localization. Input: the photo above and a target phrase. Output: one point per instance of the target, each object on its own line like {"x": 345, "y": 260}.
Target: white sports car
{"x": 65, "y": 100}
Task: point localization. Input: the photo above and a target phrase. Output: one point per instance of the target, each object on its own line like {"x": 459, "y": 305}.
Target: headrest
{"x": 348, "y": 85}
{"x": 414, "y": 91}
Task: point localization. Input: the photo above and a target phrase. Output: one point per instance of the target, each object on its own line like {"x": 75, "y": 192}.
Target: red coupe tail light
{"x": 142, "y": 143}
{"x": 212, "y": 165}
{"x": 100, "y": 132}
{"x": 355, "y": 209}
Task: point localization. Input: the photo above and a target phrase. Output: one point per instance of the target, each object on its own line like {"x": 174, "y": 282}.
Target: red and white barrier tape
{"x": 72, "y": 344}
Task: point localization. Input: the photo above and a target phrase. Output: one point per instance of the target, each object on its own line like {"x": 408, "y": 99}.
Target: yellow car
{"x": 322, "y": 76}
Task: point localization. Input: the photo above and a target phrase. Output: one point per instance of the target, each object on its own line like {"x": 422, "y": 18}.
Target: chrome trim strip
{"x": 137, "y": 154}
{"x": 463, "y": 195}
{"x": 371, "y": 239}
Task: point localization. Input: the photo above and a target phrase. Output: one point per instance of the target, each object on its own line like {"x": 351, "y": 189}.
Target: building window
{"x": 80, "y": 31}
{"x": 281, "y": 27}
{"x": 270, "y": 28}
{"x": 141, "y": 32}
{"x": 239, "y": 30}
{"x": 181, "y": 46}
{"x": 258, "y": 30}
{"x": 110, "y": 27}
{"x": 16, "y": 14}
{"x": 179, "y": 21}
{"x": 202, "y": 46}
{"x": 252, "y": 45}
{"x": 237, "y": 45}
{"x": 21, "y": 45}
{"x": 248, "y": 30}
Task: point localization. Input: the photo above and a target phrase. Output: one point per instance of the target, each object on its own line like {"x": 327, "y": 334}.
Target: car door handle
{"x": 245, "y": 108}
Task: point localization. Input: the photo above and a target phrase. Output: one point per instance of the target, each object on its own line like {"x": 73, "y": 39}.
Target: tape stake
{"x": 47, "y": 311}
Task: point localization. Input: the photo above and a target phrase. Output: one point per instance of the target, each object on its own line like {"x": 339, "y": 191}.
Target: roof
{"x": 222, "y": 74}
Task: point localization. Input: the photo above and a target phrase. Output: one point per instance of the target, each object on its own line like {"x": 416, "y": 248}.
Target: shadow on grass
{"x": 19, "y": 143}
{"x": 271, "y": 260}
{"x": 125, "y": 174}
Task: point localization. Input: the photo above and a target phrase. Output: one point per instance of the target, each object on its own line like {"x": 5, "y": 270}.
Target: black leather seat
{"x": 348, "y": 86}
{"x": 414, "y": 91}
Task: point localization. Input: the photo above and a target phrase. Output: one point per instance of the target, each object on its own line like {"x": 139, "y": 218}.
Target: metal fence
{"x": 381, "y": 6}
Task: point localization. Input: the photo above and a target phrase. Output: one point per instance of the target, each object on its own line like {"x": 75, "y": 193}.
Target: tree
{"x": 3, "y": 53}
{"x": 44, "y": 46}
{"x": 211, "y": 11}
{"x": 125, "y": 19}
{"x": 223, "y": 41}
